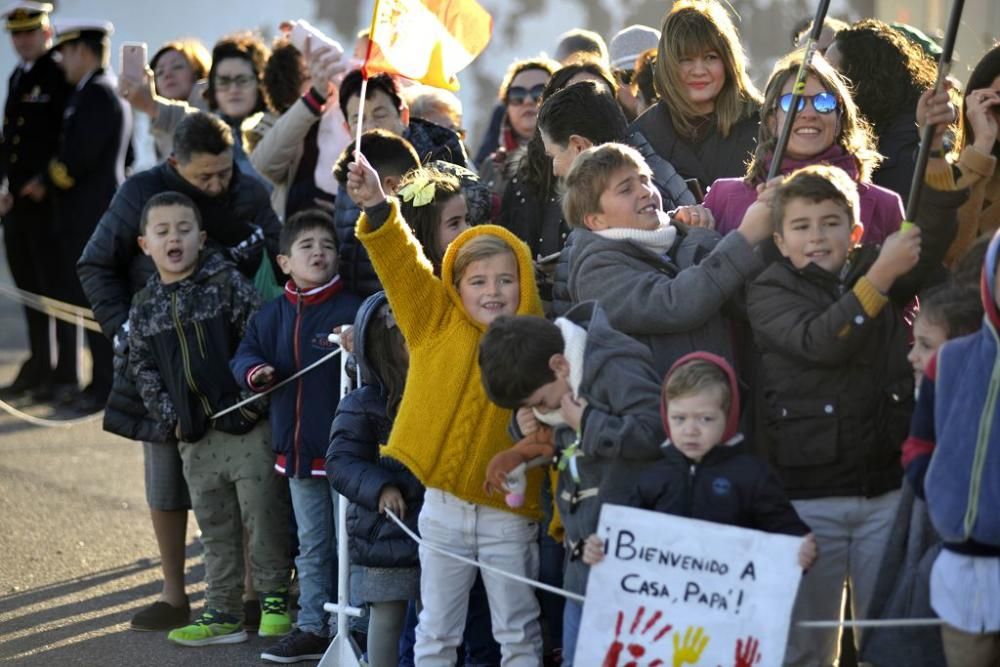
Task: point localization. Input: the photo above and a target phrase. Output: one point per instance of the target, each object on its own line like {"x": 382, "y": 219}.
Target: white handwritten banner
{"x": 672, "y": 592}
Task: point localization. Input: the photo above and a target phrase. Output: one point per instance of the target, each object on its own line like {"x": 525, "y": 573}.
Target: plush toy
{"x": 507, "y": 470}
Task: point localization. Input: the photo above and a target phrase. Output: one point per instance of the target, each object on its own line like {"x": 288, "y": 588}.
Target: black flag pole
{"x": 944, "y": 69}
{"x": 798, "y": 89}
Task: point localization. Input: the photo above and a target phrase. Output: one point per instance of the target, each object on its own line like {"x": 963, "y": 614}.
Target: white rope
{"x": 60, "y": 310}
{"x": 879, "y": 623}
{"x": 262, "y": 394}
{"x": 483, "y": 566}
{"x": 48, "y": 423}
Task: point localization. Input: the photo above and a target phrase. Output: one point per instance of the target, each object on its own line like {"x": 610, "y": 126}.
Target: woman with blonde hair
{"x": 707, "y": 116}
{"x": 829, "y": 130}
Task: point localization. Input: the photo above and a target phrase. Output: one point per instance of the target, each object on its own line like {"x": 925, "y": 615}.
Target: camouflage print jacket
{"x": 181, "y": 338}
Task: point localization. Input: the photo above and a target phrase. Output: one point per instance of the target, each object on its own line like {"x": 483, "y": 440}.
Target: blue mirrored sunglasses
{"x": 822, "y": 102}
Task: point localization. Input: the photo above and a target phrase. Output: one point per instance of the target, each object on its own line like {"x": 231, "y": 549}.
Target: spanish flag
{"x": 426, "y": 40}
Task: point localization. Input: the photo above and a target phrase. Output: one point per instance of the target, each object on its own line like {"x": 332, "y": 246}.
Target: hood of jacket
{"x": 987, "y": 283}
{"x": 366, "y": 314}
{"x": 731, "y": 435}
{"x": 531, "y": 303}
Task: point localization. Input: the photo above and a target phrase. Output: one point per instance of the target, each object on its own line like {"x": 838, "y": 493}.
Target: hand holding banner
{"x": 676, "y": 591}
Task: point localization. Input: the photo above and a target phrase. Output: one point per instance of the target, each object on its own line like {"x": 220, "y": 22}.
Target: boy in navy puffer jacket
{"x": 287, "y": 335}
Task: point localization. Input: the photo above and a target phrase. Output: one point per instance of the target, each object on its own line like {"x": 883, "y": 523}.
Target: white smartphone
{"x": 133, "y": 60}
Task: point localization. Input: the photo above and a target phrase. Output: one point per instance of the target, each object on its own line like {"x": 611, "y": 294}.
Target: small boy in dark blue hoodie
{"x": 287, "y": 335}
{"x": 706, "y": 472}
{"x": 952, "y": 457}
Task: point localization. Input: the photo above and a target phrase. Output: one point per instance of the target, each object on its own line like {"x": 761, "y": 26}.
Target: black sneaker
{"x": 296, "y": 647}
{"x": 251, "y": 614}
{"x": 161, "y": 616}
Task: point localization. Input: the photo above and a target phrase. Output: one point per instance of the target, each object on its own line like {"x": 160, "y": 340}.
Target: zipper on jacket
{"x": 689, "y": 491}
{"x": 186, "y": 358}
{"x": 298, "y": 388}
{"x": 982, "y": 443}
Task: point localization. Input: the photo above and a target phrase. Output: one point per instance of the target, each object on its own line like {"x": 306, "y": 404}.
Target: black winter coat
{"x": 358, "y": 473}
{"x": 835, "y": 391}
{"x": 715, "y": 157}
{"x": 729, "y": 486}
{"x": 899, "y": 142}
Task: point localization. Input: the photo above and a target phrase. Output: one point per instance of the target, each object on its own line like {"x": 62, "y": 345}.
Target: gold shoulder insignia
{"x": 60, "y": 175}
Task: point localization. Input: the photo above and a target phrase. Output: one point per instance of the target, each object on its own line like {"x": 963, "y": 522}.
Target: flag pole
{"x": 927, "y": 135}
{"x": 797, "y": 89}
{"x": 364, "y": 79}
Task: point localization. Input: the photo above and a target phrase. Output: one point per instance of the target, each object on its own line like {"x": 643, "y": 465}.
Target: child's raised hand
{"x": 498, "y": 468}
{"x": 572, "y": 410}
{"x": 526, "y": 421}
{"x": 363, "y": 183}
{"x": 346, "y": 334}
{"x": 899, "y": 254}
{"x": 593, "y": 550}
{"x": 391, "y": 500}
{"x": 808, "y": 551}
{"x": 262, "y": 376}
{"x": 757, "y": 225}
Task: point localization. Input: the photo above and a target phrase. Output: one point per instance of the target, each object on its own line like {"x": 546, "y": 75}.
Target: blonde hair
{"x": 855, "y": 137}
{"x": 590, "y": 176}
{"x": 694, "y": 377}
{"x": 692, "y": 28}
{"x": 478, "y": 248}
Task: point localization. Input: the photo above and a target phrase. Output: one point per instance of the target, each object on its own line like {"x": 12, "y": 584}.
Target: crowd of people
{"x": 611, "y": 287}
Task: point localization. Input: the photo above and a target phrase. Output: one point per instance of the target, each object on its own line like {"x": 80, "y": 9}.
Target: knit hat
{"x": 630, "y": 43}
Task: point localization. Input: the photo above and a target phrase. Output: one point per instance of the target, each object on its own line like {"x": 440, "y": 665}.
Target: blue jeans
{"x": 572, "y": 614}
{"x": 315, "y": 512}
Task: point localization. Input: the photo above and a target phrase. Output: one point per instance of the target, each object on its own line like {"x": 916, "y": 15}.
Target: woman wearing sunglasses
{"x": 520, "y": 95}
{"x": 828, "y": 130}
{"x": 706, "y": 120}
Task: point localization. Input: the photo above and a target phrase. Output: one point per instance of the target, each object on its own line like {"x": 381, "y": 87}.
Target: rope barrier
{"x": 60, "y": 310}
{"x": 48, "y": 423}
{"x": 281, "y": 384}
{"x": 876, "y": 623}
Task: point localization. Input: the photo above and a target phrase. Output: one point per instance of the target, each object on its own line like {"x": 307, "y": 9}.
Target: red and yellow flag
{"x": 427, "y": 40}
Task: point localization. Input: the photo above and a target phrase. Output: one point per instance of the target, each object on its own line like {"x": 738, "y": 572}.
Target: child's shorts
{"x": 166, "y": 489}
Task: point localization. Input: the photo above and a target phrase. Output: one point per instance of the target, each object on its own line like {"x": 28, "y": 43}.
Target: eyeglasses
{"x": 241, "y": 81}
{"x": 822, "y": 102}
{"x": 518, "y": 95}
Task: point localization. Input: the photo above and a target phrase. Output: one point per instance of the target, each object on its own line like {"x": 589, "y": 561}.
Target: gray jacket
{"x": 672, "y": 303}
{"x": 621, "y": 431}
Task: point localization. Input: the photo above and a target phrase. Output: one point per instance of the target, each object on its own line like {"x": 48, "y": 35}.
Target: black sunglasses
{"x": 518, "y": 95}
{"x": 823, "y": 103}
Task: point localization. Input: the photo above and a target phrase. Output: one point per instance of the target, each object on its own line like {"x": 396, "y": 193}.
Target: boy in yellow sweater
{"x": 447, "y": 430}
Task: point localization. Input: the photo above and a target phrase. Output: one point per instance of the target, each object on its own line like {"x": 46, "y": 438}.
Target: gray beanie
{"x": 630, "y": 43}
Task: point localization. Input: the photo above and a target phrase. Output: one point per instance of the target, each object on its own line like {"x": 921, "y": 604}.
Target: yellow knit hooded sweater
{"x": 446, "y": 430}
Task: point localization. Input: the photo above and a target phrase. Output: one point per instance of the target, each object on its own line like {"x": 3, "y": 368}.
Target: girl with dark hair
{"x": 828, "y": 130}
{"x": 705, "y": 122}
{"x": 888, "y": 74}
{"x": 374, "y": 484}
{"x": 978, "y": 149}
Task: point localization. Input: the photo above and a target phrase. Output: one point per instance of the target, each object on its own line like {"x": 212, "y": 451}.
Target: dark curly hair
{"x": 987, "y": 69}
{"x": 284, "y": 75}
{"x": 887, "y": 71}
{"x": 245, "y": 46}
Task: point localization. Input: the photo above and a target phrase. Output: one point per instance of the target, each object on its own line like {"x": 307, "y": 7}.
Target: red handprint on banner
{"x": 747, "y": 654}
{"x": 637, "y": 646}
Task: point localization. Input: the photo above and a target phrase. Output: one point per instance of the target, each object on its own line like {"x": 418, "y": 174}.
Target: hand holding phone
{"x": 133, "y": 61}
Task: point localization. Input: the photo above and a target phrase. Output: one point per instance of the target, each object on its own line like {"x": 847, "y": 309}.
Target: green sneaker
{"x": 212, "y": 627}
{"x": 274, "y": 618}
